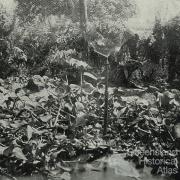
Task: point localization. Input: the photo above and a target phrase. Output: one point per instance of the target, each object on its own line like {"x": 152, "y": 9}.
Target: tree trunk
{"x": 83, "y": 27}
{"x": 83, "y": 15}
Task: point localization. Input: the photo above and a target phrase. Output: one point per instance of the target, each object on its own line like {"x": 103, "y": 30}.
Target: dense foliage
{"x": 52, "y": 95}
{"x": 45, "y": 124}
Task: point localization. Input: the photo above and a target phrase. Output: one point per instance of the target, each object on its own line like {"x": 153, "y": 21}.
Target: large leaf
{"x": 3, "y": 90}
{"x": 2, "y": 149}
{"x": 77, "y": 63}
{"x": 174, "y": 102}
{"x": 4, "y": 123}
{"x": 31, "y": 131}
{"x": 8, "y": 151}
{"x": 81, "y": 119}
{"x": 90, "y": 76}
{"x": 134, "y": 99}
{"x": 88, "y": 88}
{"x": 17, "y": 152}
{"x": 1, "y": 82}
{"x": 122, "y": 112}
{"x": 177, "y": 130}
{"x": 46, "y": 118}
{"x": 79, "y": 106}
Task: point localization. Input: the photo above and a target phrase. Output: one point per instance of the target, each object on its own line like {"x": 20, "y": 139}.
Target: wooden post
{"x": 106, "y": 113}
{"x": 81, "y": 71}
{"x": 83, "y": 27}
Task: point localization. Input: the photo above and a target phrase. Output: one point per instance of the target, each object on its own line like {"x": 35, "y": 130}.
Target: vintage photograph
{"x": 89, "y": 89}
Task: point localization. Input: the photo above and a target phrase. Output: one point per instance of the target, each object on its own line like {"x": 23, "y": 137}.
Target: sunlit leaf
{"x": 2, "y": 149}
{"x": 29, "y": 132}
{"x": 4, "y": 123}
{"x": 90, "y": 76}
{"x": 46, "y": 118}
{"x": 79, "y": 106}
{"x": 122, "y": 112}
{"x": 174, "y": 102}
{"x": 88, "y": 87}
{"x": 177, "y": 130}
{"x": 17, "y": 152}
{"x": 81, "y": 119}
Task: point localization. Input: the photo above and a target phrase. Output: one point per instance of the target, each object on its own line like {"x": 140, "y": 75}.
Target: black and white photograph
{"x": 89, "y": 89}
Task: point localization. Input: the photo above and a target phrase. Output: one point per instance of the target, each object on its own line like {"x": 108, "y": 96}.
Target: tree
{"x": 7, "y": 24}
{"x": 30, "y": 10}
{"x": 97, "y": 10}
{"x": 47, "y": 26}
{"x": 172, "y": 36}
